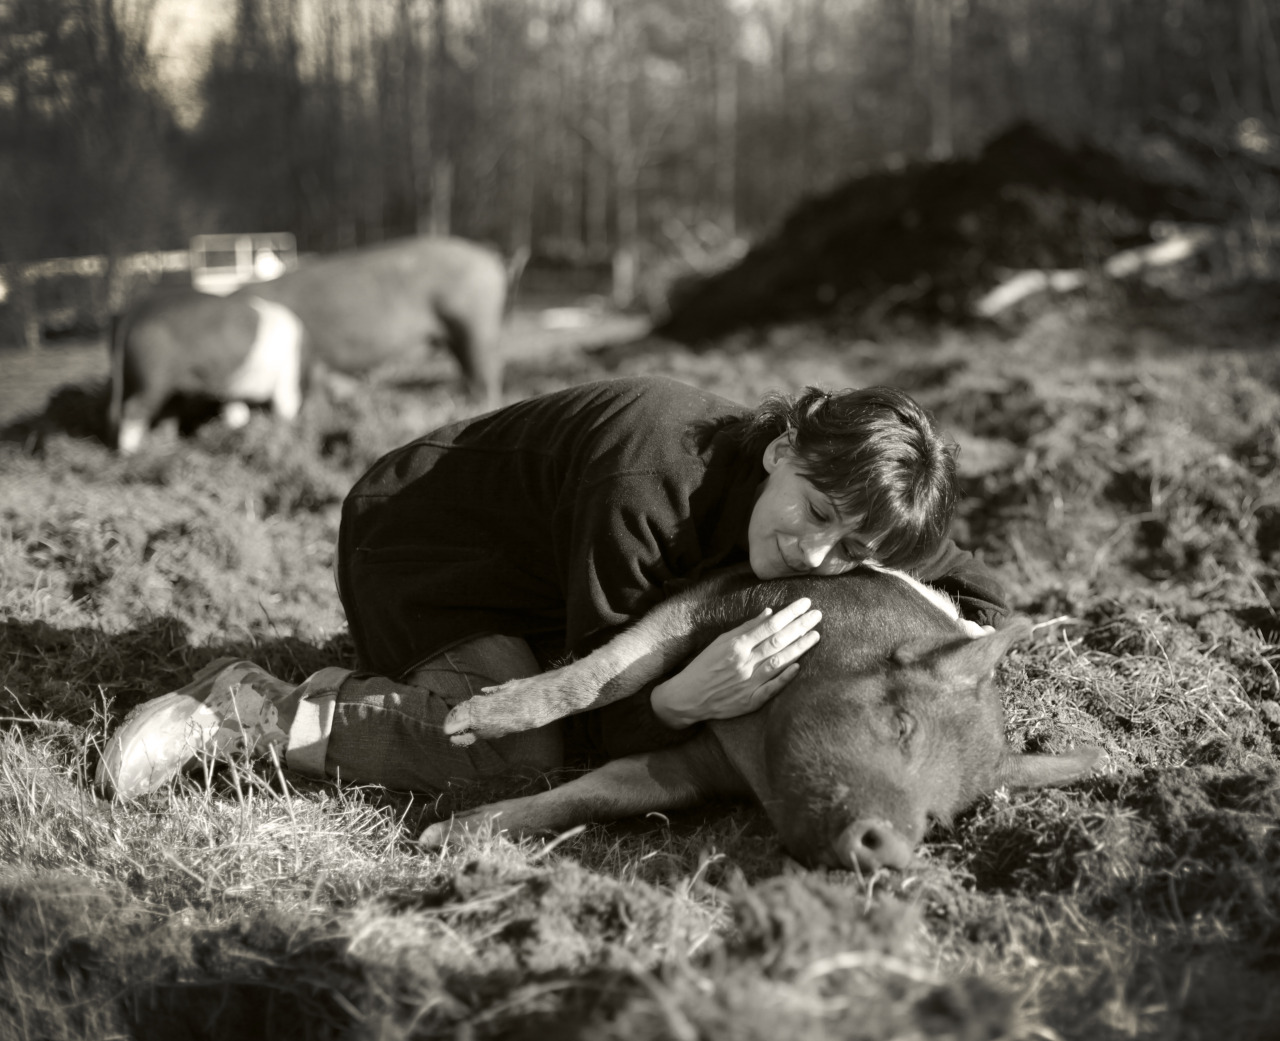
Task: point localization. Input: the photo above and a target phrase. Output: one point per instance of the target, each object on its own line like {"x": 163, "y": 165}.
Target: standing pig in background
{"x": 892, "y": 723}
{"x": 350, "y": 312}
{"x": 385, "y": 303}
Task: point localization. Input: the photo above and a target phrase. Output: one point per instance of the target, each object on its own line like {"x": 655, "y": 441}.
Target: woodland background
{"x": 614, "y": 133}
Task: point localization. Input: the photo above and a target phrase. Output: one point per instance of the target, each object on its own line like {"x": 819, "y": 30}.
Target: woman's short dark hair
{"x": 876, "y": 454}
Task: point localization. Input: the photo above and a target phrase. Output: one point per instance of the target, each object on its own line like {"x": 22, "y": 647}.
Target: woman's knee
{"x": 465, "y": 670}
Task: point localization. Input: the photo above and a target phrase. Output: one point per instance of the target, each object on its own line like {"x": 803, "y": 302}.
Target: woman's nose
{"x": 815, "y": 548}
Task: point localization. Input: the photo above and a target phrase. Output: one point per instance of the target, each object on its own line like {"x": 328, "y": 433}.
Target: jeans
{"x": 375, "y": 730}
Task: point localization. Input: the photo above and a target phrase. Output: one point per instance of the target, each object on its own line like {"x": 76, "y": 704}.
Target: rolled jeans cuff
{"x": 313, "y": 723}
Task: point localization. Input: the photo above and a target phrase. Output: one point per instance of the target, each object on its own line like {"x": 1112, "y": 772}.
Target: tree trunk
{"x": 441, "y": 144}
{"x": 726, "y": 153}
{"x": 415, "y": 116}
{"x": 1107, "y": 65}
{"x": 625, "y": 158}
{"x": 370, "y": 159}
{"x": 570, "y": 160}
{"x": 523, "y": 181}
{"x": 1250, "y": 64}
{"x": 1270, "y": 53}
{"x": 595, "y": 161}
{"x": 941, "y": 120}
{"x": 626, "y": 193}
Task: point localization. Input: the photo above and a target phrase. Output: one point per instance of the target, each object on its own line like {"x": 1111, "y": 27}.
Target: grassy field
{"x": 1120, "y": 473}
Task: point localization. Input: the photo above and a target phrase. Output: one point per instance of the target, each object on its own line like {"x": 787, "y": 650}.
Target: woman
{"x": 486, "y": 550}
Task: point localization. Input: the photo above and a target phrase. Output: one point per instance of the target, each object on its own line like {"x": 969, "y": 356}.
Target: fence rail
{"x": 218, "y": 263}
{"x": 155, "y": 262}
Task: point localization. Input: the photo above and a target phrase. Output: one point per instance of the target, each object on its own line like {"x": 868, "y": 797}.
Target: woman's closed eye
{"x": 817, "y": 514}
{"x": 855, "y": 550}
{"x": 842, "y": 559}
{"x": 849, "y": 554}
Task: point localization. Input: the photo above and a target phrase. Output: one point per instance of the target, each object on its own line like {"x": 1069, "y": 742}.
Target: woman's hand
{"x": 740, "y": 670}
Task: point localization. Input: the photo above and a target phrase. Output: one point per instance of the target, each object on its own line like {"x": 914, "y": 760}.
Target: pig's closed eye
{"x": 906, "y": 727}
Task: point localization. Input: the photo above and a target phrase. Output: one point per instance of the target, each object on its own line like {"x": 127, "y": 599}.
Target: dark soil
{"x": 926, "y": 241}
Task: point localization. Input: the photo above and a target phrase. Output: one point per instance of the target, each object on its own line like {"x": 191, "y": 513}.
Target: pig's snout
{"x": 872, "y": 843}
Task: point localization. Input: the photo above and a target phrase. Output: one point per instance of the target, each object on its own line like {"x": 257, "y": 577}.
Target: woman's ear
{"x": 777, "y": 450}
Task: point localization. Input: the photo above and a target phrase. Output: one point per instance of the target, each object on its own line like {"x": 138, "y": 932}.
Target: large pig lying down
{"x": 893, "y": 722}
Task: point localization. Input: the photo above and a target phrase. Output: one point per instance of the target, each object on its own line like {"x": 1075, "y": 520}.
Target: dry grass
{"x": 1130, "y": 490}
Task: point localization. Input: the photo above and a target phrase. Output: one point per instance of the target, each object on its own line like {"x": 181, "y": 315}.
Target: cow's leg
{"x": 286, "y": 399}
{"x": 671, "y": 779}
{"x": 137, "y": 412}
{"x": 648, "y": 650}
{"x": 272, "y": 369}
{"x": 133, "y": 430}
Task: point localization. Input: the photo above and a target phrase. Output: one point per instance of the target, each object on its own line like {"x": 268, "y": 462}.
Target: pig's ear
{"x": 966, "y": 661}
{"x": 1048, "y": 771}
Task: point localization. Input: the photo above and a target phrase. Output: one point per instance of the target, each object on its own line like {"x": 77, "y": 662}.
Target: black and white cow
{"x": 187, "y": 344}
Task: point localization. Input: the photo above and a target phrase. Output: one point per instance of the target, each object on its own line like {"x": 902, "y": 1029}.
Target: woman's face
{"x": 795, "y": 529}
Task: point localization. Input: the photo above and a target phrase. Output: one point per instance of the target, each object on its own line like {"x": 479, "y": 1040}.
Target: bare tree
{"x": 84, "y": 154}
{"x": 441, "y": 108}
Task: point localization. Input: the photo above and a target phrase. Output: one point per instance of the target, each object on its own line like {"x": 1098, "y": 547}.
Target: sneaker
{"x": 228, "y": 708}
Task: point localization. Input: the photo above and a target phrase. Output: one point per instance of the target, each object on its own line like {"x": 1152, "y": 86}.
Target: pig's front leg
{"x": 608, "y": 674}
{"x": 667, "y": 780}
{"x": 641, "y": 654}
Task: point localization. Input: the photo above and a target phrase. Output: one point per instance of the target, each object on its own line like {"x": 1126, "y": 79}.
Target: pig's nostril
{"x": 870, "y": 844}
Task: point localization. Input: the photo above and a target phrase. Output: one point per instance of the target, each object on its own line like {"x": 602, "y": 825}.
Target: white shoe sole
{"x": 217, "y": 715}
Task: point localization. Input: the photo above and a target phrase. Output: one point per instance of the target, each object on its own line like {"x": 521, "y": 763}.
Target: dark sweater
{"x": 560, "y": 519}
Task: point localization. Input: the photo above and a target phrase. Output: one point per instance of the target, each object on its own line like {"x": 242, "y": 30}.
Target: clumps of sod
{"x": 1117, "y": 472}
{"x": 1181, "y": 727}
{"x": 1135, "y": 498}
{"x": 232, "y": 907}
{"x": 1197, "y": 843}
{"x": 173, "y": 537}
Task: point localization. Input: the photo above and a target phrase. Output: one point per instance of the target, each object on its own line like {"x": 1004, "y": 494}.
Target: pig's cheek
{"x": 802, "y": 833}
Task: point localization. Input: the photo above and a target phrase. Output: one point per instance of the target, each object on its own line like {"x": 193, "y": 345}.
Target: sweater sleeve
{"x": 625, "y": 545}
{"x": 642, "y": 539}
{"x": 617, "y": 539}
{"x": 972, "y": 584}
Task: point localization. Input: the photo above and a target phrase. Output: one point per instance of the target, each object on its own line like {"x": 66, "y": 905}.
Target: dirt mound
{"x": 929, "y": 239}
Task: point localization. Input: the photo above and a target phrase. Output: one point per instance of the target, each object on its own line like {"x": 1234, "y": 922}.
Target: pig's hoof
{"x": 483, "y": 717}
{"x": 435, "y": 836}
{"x": 460, "y": 723}
{"x": 1099, "y": 762}
{"x": 438, "y": 835}
{"x": 455, "y": 829}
